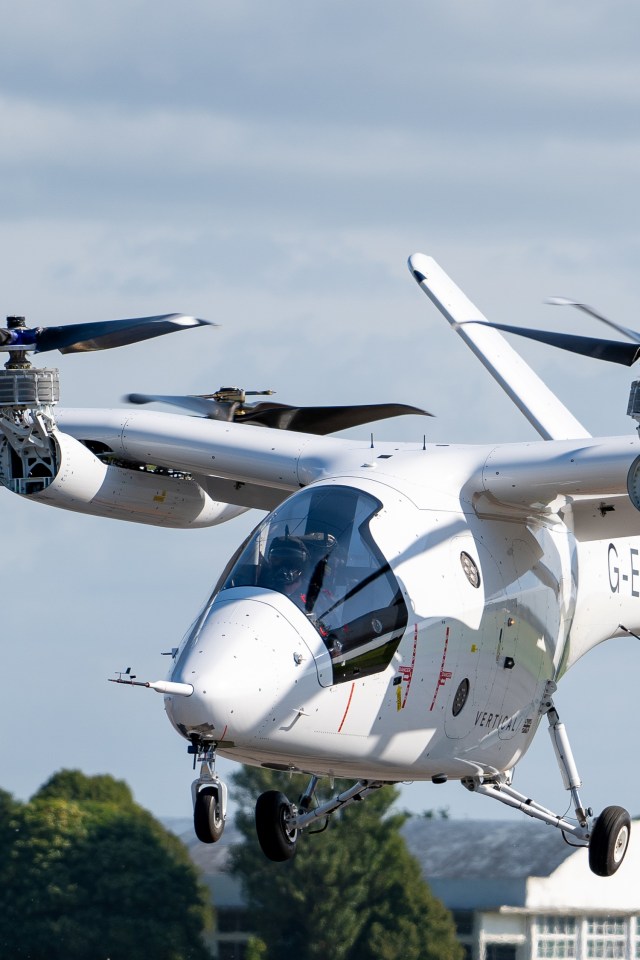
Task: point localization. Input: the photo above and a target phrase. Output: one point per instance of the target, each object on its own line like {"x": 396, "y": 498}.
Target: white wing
{"x": 181, "y": 471}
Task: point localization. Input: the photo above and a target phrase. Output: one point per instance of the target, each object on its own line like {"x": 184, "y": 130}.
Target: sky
{"x": 270, "y": 167}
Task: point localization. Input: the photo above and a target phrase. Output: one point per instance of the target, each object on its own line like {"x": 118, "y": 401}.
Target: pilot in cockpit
{"x": 306, "y": 574}
{"x": 287, "y": 568}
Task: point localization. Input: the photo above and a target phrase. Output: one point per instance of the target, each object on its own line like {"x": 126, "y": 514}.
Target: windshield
{"x": 317, "y": 550}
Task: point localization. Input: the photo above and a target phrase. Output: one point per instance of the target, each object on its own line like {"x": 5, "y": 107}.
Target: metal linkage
{"x": 28, "y": 461}
{"x": 567, "y": 764}
{"x": 305, "y": 800}
{"x": 499, "y": 787}
{"x": 502, "y": 791}
{"x": 27, "y": 424}
{"x": 302, "y": 818}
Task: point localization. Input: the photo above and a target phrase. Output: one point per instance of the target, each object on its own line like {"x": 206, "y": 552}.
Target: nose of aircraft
{"x": 246, "y": 665}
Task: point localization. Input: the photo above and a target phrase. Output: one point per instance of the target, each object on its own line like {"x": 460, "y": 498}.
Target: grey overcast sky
{"x": 270, "y": 166}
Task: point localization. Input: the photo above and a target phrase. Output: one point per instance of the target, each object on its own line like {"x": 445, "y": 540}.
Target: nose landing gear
{"x": 208, "y": 819}
{"x": 209, "y": 795}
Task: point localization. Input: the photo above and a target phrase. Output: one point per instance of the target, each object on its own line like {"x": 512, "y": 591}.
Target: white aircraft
{"x": 403, "y": 612}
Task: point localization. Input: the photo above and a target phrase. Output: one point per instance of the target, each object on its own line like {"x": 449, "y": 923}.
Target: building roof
{"x": 484, "y": 864}
{"x": 477, "y": 848}
{"x": 471, "y": 865}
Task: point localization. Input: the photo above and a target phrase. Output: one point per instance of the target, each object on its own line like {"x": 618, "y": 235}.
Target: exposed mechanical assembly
{"x": 28, "y": 461}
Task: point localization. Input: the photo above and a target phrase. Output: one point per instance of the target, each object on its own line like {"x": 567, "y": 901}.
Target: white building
{"x": 516, "y": 890}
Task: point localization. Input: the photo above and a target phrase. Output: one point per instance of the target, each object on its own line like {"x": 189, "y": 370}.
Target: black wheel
{"x": 207, "y": 816}
{"x": 278, "y": 841}
{"x": 609, "y": 841}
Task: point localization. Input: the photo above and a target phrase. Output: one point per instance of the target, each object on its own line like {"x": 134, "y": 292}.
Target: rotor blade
{"x": 564, "y": 302}
{"x": 103, "y": 335}
{"x": 324, "y": 420}
{"x": 615, "y": 351}
{"x": 201, "y": 406}
{"x": 281, "y": 416}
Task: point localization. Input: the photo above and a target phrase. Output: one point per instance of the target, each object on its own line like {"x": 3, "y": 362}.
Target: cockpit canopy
{"x": 317, "y": 549}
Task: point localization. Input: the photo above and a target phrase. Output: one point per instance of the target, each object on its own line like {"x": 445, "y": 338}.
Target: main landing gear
{"x": 606, "y": 836}
{"x": 279, "y": 822}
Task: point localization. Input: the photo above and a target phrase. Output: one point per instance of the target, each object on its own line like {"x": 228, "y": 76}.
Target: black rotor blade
{"x": 281, "y": 416}
{"x": 614, "y": 351}
{"x": 564, "y": 302}
{"x": 324, "y": 420}
{"x": 106, "y": 334}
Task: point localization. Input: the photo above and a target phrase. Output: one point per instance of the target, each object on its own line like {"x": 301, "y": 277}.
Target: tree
{"x": 88, "y": 873}
{"x": 353, "y": 893}
{"x": 74, "y": 785}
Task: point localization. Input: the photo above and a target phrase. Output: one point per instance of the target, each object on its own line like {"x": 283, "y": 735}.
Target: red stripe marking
{"x": 407, "y": 672}
{"x": 348, "y": 705}
{"x": 444, "y": 675}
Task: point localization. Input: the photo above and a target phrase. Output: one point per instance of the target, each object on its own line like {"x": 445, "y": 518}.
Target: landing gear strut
{"x": 607, "y": 836}
{"x": 279, "y": 822}
{"x": 209, "y": 795}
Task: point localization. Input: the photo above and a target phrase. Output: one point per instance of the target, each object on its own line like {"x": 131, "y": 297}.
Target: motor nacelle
{"x": 58, "y": 470}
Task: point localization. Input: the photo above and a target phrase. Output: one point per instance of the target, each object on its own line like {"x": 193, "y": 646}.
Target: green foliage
{"x": 87, "y": 873}
{"x": 74, "y": 785}
{"x": 8, "y": 809}
{"x": 352, "y": 893}
{"x": 256, "y": 949}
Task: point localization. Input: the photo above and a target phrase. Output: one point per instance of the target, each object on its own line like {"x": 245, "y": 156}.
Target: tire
{"x": 207, "y": 819}
{"x": 609, "y": 841}
{"x": 278, "y": 842}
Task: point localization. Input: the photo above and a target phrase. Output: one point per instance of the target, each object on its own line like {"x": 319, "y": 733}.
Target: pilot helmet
{"x": 288, "y": 557}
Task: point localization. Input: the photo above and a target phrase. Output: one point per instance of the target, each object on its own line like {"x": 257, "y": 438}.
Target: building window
{"x": 500, "y": 951}
{"x": 232, "y": 920}
{"x": 606, "y": 937}
{"x": 463, "y": 920}
{"x": 555, "y": 937}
